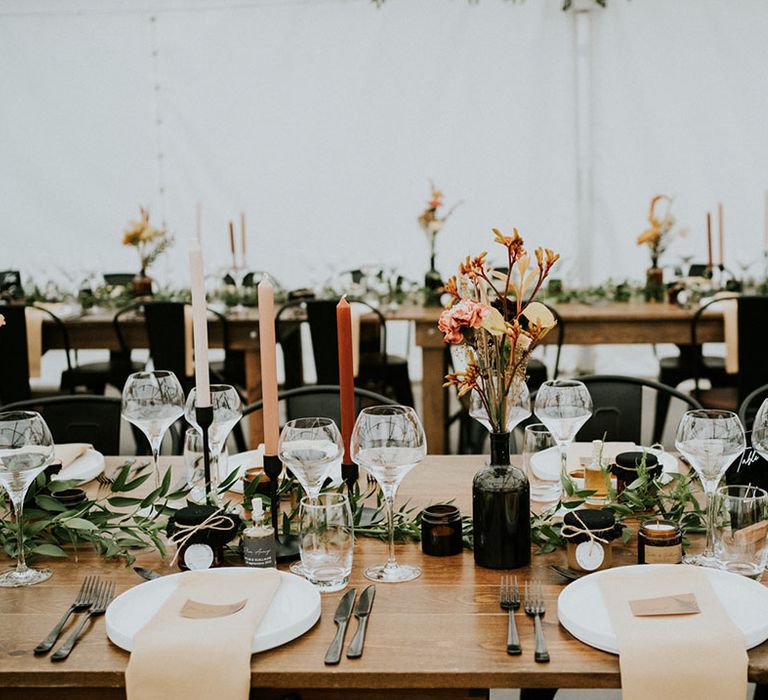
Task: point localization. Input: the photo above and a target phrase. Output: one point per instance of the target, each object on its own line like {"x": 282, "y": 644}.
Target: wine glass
{"x": 389, "y": 441}
{"x": 26, "y": 448}
{"x": 563, "y": 405}
{"x": 309, "y": 447}
{"x": 760, "y": 430}
{"x": 518, "y": 407}
{"x": 227, "y": 411}
{"x": 710, "y": 439}
{"x": 153, "y": 402}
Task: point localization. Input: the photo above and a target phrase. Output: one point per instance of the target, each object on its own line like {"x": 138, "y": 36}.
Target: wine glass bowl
{"x": 26, "y": 449}
{"x": 760, "y": 431}
{"x": 309, "y": 447}
{"x": 710, "y": 439}
{"x": 518, "y": 406}
{"x": 153, "y": 402}
{"x": 389, "y": 441}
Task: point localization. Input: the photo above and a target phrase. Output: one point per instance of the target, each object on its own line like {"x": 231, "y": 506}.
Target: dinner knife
{"x": 147, "y": 574}
{"x": 362, "y": 612}
{"x": 341, "y": 618}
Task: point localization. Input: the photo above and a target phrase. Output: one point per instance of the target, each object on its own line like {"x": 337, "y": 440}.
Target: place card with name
{"x": 195, "y": 610}
{"x": 680, "y": 604}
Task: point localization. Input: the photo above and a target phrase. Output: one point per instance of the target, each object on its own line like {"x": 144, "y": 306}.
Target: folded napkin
{"x": 675, "y": 657}
{"x": 67, "y": 453}
{"x": 200, "y": 659}
{"x": 34, "y": 318}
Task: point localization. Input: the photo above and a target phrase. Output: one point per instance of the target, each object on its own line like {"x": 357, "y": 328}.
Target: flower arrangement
{"x": 151, "y": 242}
{"x": 494, "y": 316}
{"x": 431, "y": 221}
{"x": 659, "y": 235}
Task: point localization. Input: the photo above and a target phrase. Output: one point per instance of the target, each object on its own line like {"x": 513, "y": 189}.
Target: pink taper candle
{"x": 346, "y": 375}
{"x": 268, "y": 348}
{"x": 199, "y": 325}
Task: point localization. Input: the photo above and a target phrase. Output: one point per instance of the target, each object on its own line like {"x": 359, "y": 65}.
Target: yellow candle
{"x": 267, "y": 347}
{"x": 199, "y": 325}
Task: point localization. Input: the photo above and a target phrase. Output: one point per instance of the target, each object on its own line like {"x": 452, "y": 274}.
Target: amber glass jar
{"x": 659, "y": 542}
{"x": 441, "y": 534}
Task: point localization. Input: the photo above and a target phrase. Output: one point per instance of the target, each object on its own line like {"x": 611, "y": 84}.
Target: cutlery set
{"x": 533, "y": 604}
{"x": 341, "y": 618}
{"x": 92, "y": 599}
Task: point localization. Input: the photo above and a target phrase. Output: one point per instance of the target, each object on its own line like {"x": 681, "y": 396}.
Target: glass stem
{"x": 18, "y": 509}
{"x": 709, "y": 550}
{"x": 154, "y": 444}
{"x": 563, "y": 447}
{"x": 390, "y": 501}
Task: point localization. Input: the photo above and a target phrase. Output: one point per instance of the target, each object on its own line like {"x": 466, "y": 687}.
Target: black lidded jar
{"x": 626, "y": 467}
{"x": 441, "y": 531}
{"x": 204, "y": 548}
{"x": 501, "y": 511}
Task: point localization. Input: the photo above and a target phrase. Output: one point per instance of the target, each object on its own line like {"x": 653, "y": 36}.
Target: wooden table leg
{"x": 253, "y": 391}
{"x": 434, "y": 399}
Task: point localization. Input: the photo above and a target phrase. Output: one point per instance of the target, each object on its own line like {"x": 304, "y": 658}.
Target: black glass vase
{"x": 501, "y": 511}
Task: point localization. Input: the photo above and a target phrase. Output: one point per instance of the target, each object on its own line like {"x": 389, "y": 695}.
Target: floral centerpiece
{"x": 492, "y": 315}
{"x": 151, "y": 243}
{"x": 432, "y": 221}
{"x": 657, "y": 237}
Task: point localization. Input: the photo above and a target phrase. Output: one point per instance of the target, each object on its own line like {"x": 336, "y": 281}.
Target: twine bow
{"x": 215, "y": 521}
{"x": 584, "y": 530}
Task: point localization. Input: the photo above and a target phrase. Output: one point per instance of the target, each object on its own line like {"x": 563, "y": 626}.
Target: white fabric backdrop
{"x": 324, "y": 119}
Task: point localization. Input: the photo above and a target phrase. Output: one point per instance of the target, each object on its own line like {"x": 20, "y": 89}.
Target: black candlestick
{"x": 204, "y": 417}
{"x": 287, "y": 546}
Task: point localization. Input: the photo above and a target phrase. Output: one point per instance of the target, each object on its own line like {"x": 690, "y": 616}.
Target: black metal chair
{"x": 10, "y": 285}
{"x": 380, "y": 372}
{"x": 79, "y": 418}
{"x": 751, "y": 404}
{"x": 618, "y": 407}
{"x": 96, "y": 375}
{"x": 14, "y": 351}
{"x": 537, "y": 370}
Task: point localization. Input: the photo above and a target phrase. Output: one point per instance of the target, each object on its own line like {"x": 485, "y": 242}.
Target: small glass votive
{"x": 659, "y": 542}
{"x": 441, "y": 531}
{"x": 326, "y": 541}
{"x": 741, "y": 529}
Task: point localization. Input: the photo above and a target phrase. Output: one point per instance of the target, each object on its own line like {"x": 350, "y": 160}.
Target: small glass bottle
{"x": 259, "y": 540}
{"x": 595, "y": 477}
{"x": 659, "y": 542}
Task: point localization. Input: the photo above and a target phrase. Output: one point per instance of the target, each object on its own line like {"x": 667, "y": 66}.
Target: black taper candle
{"x": 204, "y": 417}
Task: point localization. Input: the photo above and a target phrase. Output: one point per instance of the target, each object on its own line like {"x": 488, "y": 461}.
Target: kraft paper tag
{"x": 752, "y": 534}
{"x": 195, "y": 610}
{"x": 681, "y": 604}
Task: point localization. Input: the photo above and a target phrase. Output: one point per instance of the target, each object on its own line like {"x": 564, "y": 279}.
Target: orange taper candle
{"x": 709, "y": 241}
{"x": 346, "y": 376}
{"x": 720, "y": 233}
{"x": 268, "y": 349}
{"x": 243, "y": 246}
{"x": 232, "y": 243}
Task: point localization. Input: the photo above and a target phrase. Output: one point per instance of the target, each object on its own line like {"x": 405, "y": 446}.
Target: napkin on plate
{"x": 675, "y": 657}
{"x": 199, "y": 659}
{"x": 69, "y": 452}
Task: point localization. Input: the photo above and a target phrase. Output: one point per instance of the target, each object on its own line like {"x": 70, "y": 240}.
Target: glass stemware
{"x": 26, "y": 449}
{"x": 309, "y": 447}
{"x": 153, "y": 402}
{"x": 518, "y": 406}
{"x": 760, "y": 431}
{"x": 389, "y": 441}
{"x": 564, "y": 406}
{"x": 227, "y": 411}
{"x": 710, "y": 439}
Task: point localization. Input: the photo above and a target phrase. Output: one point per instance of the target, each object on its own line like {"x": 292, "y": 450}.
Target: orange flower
{"x": 464, "y": 381}
{"x": 473, "y": 267}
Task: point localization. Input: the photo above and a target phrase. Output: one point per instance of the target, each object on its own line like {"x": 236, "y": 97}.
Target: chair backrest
{"x": 10, "y": 285}
{"x": 618, "y": 408}
{"x": 321, "y": 400}
{"x": 164, "y": 321}
{"x": 751, "y": 404}
{"x": 118, "y": 279}
{"x": 80, "y": 418}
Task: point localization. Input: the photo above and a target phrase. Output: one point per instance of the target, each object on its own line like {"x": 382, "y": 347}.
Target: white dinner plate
{"x": 86, "y": 467}
{"x": 546, "y": 464}
{"x": 581, "y": 608}
{"x": 294, "y": 609}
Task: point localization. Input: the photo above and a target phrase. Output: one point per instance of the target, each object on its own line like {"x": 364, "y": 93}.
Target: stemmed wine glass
{"x": 710, "y": 439}
{"x": 760, "y": 431}
{"x": 309, "y": 447}
{"x": 564, "y": 406}
{"x": 227, "y": 411}
{"x": 153, "y": 402}
{"x": 26, "y": 448}
{"x": 389, "y": 441}
{"x": 518, "y": 406}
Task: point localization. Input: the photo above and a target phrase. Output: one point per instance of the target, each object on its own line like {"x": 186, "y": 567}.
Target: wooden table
{"x": 611, "y": 323}
{"x": 440, "y": 636}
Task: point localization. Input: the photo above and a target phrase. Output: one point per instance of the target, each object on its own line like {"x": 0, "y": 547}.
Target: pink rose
{"x": 466, "y": 314}
{"x": 2, "y": 320}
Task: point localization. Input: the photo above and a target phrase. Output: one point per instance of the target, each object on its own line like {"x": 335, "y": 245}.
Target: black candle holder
{"x": 286, "y": 546}
{"x": 204, "y": 417}
{"x": 368, "y": 516}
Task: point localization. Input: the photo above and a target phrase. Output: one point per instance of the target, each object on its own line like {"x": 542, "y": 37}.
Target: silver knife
{"x": 362, "y": 612}
{"x": 341, "y": 618}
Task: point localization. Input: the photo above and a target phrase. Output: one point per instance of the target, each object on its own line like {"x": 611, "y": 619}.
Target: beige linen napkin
{"x": 189, "y": 345}
{"x": 68, "y": 452}
{"x": 34, "y": 318}
{"x": 731, "y": 332}
{"x": 200, "y": 659}
{"x": 675, "y": 657}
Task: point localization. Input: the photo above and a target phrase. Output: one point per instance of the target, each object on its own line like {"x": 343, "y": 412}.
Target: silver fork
{"x": 82, "y": 601}
{"x": 534, "y": 607}
{"x": 106, "y": 482}
{"x": 509, "y": 599}
{"x": 104, "y": 595}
